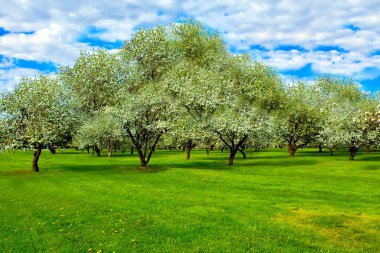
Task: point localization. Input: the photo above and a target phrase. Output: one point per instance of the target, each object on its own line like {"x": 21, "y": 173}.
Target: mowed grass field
{"x": 268, "y": 202}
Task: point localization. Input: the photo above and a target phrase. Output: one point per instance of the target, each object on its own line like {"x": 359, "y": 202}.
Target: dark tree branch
{"x": 153, "y": 147}
{"x": 222, "y": 139}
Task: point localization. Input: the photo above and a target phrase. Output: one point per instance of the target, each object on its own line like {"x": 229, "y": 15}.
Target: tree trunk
{"x": 320, "y": 149}
{"x": 331, "y": 151}
{"x": 97, "y": 150}
{"x": 232, "y": 157}
{"x": 36, "y": 157}
{"x": 132, "y": 149}
{"x": 222, "y": 149}
{"x": 137, "y": 144}
{"x": 207, "y": 150}
{"x": 368, "y": 149}
{"x": 88, "y": 150}
{"x": 353, "y": 151}
{"x": 243, "y": 153}
{"x": 143, "y": 162}
{"x": 109, "y": 151}
{"x": 188, "y": 148}
{"x": 292, "y": 149}
{"x": 52, "y": 150}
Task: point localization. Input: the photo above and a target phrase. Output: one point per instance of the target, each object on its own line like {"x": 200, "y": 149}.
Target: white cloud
{"x": 9, "y": 78}
{"x": 6, "y": 63}
{"x": 350, "y": 64}
{"x": 57, "y": 25}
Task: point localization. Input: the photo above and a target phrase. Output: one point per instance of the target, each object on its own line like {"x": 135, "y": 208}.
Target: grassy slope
{"x": 266, "y": 203}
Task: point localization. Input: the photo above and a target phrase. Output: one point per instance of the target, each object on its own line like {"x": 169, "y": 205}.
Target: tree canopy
{"x": 40, "y": 112}
{"x": 180, "y": 85}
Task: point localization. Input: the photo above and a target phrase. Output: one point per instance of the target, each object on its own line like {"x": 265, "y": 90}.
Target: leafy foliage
{"x": 104, "y": 130}
{"x": 94, "y": 79}
{"x": 299, "y": 122}
{"x": 40, "y": 111}
{"x": 179, "y": 85}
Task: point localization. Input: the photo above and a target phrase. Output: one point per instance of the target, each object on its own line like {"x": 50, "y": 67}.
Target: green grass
{"x": 266, "y": 203}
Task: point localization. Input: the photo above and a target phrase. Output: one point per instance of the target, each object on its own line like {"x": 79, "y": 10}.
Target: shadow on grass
{"x": 90, "y": 154}
{"x": 292, "y": 162}
{"x": 17, "y": 172}
{"x": 105, "y": 168}
{"x": 102, "y": 169}
{"x": 309, "y": 153}
{"x": 210, "y": 158}
{"x": 120, "y": 155}
{"x": 371, "y": 167}
{"x": 220, "y": 162}
{"x": 213, "y": 164}
{"x": 368, "y": 157}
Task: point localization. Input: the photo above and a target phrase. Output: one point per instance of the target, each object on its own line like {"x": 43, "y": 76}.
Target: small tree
{"x": 223, "y": 94}
{"x": 186, "y": 130}
{"x": 38, "y": 112}
{"x": 145, "y": 108}
{"x": 355, "y": 129}
{"x": 95, "y": 81}
{"x": 104, "y": 130}
{"x": 146, "y": 116}
{"x": 299, "y": 121}
{"x": 347, "y": 111}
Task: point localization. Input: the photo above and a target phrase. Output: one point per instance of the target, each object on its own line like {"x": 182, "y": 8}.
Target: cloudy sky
{"x": 300, "y": 39}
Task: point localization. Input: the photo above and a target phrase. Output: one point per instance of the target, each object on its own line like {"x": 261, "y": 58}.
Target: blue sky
{"x": 300, "y": 39}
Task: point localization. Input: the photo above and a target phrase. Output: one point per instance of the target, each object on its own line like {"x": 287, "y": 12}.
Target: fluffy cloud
{"x": 11, "y": 77}
{"x": 323, "y": 62}
{"x": 333, "y": 37}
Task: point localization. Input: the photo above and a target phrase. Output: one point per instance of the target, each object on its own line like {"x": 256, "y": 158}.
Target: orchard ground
{"x": 268, "y": 202}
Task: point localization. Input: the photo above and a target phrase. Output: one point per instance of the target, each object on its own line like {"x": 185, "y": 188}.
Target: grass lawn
{"x": 268, "y": 202}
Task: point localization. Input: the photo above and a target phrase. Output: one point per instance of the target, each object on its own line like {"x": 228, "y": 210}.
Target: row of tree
{"x": 179, "y": 86}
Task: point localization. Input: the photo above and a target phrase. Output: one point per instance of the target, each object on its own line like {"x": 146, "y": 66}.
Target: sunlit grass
{"x": 266, "y": 203}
